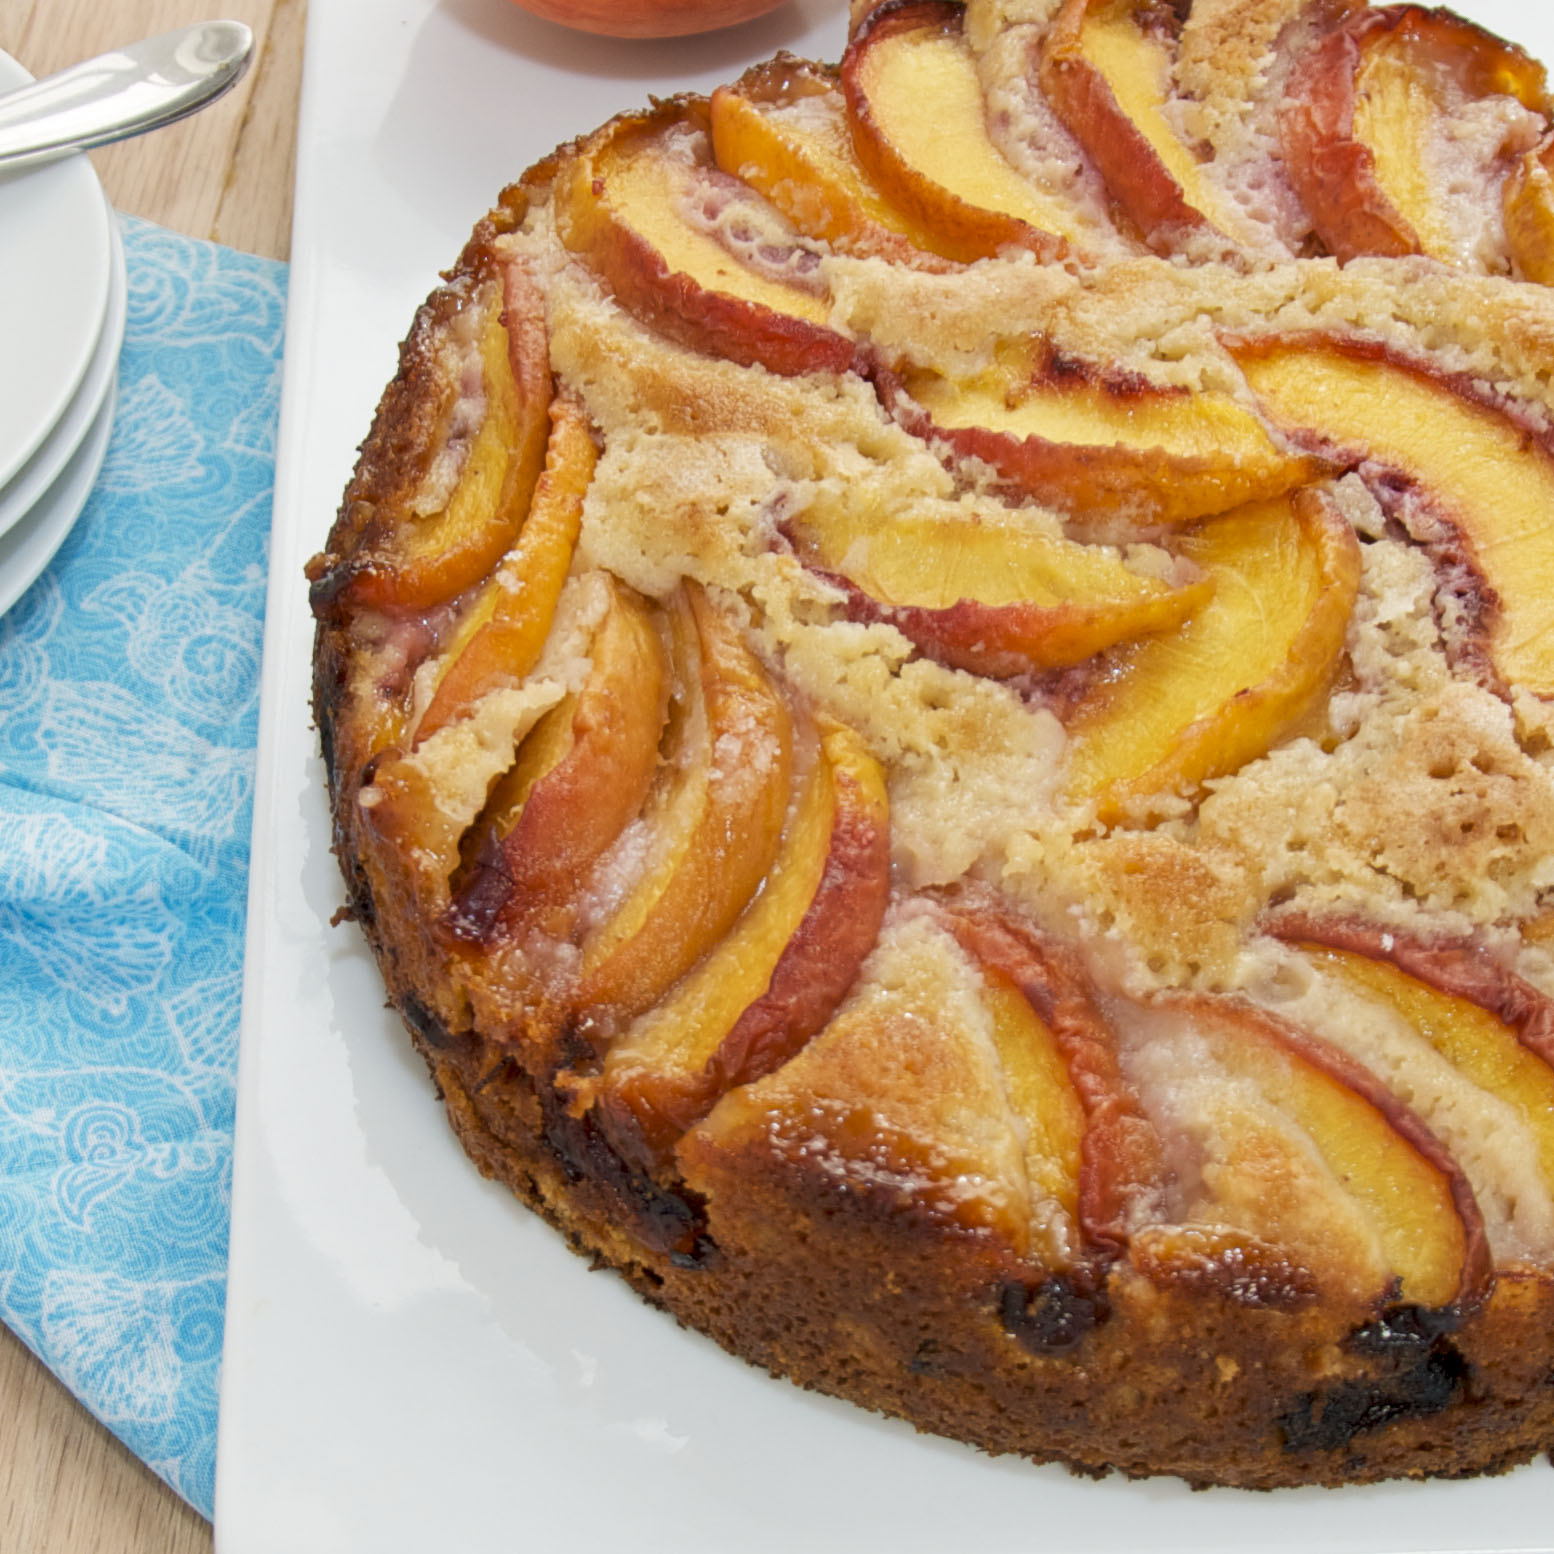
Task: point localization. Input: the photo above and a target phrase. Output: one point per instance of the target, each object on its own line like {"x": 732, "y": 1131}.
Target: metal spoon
{"x": 123, "y": 93}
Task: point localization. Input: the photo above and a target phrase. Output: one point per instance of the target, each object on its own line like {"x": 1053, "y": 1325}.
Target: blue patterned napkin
{"x": 129, "y": 688}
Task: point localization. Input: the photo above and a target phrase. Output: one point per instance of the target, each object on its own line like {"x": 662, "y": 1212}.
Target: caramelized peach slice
{"x": 778, "y": 976}
{"x": 420, "y": 804}
{"x": 897, "y": 1109}
{"x": 1106, "y": 69}
{"x": 1121, "y": 1168}
{"x": 1359, "y": 1168}
{"x": 1485, "y": 1048}
{"x": 410, "y": 559}
{"x": 1175, "y": 711}
{"x": 1528, "y": 201}
{"x": 986, "y": 592}
{"x": 1366, "y": 129}
{"x": 1043, "y": 1097}
{"x": 1486, "y": 478}
{"x": 580, "y": 778}
{"x": 500, "y": 636}
{"x": 920, "y": 129}
{"x": 1096, "y": 446}
{"x": 716, "y": 830}
{"x": 1457, "y": 970}
{"x": 783, "y": 128}
{"x": 672, "y": 238}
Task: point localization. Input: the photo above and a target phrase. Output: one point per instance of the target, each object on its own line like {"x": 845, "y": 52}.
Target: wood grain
{"x": 224, "y": 174}
{"x": 67, "y": 1486}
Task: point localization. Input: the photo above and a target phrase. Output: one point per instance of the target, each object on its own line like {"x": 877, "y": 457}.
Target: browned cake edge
{"x": 863, "y": 1300}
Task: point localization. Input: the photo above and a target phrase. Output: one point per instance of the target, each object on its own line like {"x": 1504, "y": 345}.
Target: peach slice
{"x": 1175, "y": 711}
{"x": 920, "y": 129}
{"x": 499, "y": 638}
{"x": 1106, "y": 69}
{"x": 716, "y": 828}
{"x": 783, "y": 128}
{"x": 1528, "y": 200}
{"x": 407, "y": 560}
{"x": 1487, "y": 1049}
{"x": 640, "y": 201}
{"x": 581, "y": 776}
{"x": 1363, "y": 111}
{"x": 779, "y": 975}
{"x": 1122, "y": 1166}
{"x": 1041, "y": 1092}
{"x": 896, "y": 1111}
{"x": 1372, "y": 1154}
{"x": 1098, "y": 446}
{"x": 985, "y": 592}
{"x": 1484, "y": 476}
{"x": 1460, "y": 971}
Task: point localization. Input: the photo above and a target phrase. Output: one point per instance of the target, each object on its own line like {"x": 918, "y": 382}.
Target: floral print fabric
{"x": 129, "y": 690}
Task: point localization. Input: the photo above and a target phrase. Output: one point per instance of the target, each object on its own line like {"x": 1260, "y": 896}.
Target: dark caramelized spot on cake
{"x": 1405, "y": 1330}
{"x": 1054, "y": 1318}
{"x": 481, "y": 888}
{"x": 1272, "y": 1282}
{"x": 359, "y": 905}
{"x": 431, "y": 1030}
{"x": 667, "y": 1220}
{"x": 1426, "y": 1377}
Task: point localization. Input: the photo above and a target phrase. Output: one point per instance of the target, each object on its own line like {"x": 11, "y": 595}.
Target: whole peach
{"x": 648, "y": 18}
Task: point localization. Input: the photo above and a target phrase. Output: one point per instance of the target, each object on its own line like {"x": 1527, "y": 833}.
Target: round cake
{"x": 937, "y": 679}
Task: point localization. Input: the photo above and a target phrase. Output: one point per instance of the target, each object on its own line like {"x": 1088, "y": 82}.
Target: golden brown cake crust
{"x": 1175, "y": 1118}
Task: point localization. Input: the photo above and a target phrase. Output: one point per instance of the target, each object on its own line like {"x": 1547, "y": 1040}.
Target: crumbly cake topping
{"x": 703, "y": 460}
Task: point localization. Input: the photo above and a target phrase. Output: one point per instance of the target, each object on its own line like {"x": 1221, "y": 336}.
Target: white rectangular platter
{"x": 414, "y": 1362}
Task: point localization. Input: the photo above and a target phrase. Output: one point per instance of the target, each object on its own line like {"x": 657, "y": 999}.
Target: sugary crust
{"x": 894, "y": 1248}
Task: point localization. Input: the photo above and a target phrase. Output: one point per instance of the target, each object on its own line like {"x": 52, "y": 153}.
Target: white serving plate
{"x": 56, "y": 256}
{"x": 413, "y": 1361}
{"x": 27, "y": 547}
{"x": 25, "y": 488}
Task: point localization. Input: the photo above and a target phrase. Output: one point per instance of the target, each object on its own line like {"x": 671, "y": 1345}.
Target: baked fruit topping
{"x": 938, "y": 687}
{"x": 783, "y": 128}
{"x": 579, "y": 778}
{"x": 692, "y": 251}
{"x": 1098, "y": 445}
{"x": 1260, "y": 656}
{"x": 1395, "y": 118}
{"x": 1106, "y": 68}
{"x": 941, "y": 165}
{"x": 1471, "y": 480}
{"x": 985, "y": 590}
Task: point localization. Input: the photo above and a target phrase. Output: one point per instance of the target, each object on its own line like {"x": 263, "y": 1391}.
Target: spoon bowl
{"x": 126, "y": 92}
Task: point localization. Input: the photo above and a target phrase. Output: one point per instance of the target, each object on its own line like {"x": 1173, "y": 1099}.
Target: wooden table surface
{"x": 66, "y": 1485}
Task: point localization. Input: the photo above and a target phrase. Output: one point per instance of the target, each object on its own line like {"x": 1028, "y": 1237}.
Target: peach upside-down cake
{"x": 938, "y": 686}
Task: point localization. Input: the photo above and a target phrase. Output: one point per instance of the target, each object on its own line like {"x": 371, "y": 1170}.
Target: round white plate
{"x": 39, "y": 472}
{"x": 56, "y": 255}
{"x": 28, "y": 547}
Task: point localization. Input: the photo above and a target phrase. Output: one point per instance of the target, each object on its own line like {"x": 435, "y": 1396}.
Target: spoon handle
{"x": 137, "y": 88}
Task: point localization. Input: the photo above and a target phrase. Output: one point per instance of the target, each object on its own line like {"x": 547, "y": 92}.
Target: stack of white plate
{"x": 62, "y": 308}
